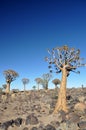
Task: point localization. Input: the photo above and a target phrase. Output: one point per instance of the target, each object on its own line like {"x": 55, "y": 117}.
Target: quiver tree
{"x": 10, "y": 76}
{"x": 45, "y": 80}
{"x": 34, "y": 87}
{"x": 56, "y": 82}
{"x": 65, "y": 60}
{"x": 4, "y": 86}
{"x": 25, "y": 81}
{"x": 38, "y": 81}
{"x": 1, "y": 90}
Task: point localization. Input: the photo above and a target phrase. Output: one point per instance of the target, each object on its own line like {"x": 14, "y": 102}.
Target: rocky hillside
{"x": 33, "y": 110}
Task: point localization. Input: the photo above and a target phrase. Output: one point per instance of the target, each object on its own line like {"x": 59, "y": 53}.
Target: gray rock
{"x": 72, "y": 117}
{"x": 50, "y": 127}
{"x": 34, "y": 128}
{"x": 68, "y": 97}
{"x": 68, "y": 126}
{"x": 31, "y": 119}
{"x": 25, "y": 128}
{"x": 82, "y": 124}
{"x": 55, "y": 123}
{"x": 18, "y": 122}
{"x": 6, "y": 124}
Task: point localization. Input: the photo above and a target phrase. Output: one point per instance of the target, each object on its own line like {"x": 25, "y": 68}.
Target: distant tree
{"x": 10, "y": 76}
{"x": 56, "y": 82}
{"x": 34, "y": 87}
{"x": 1, "y": 89}
{"x": 45, "y": 80}
{"x": 25, "y": 81}
{"x": 65, "y": 60}
{"x": 38, "y": 81}
{"x": 4, "y": 86}
{"x": 82, "y": 86}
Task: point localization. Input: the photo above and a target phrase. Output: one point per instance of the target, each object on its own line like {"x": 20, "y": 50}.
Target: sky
{"x": 29, "y": 27}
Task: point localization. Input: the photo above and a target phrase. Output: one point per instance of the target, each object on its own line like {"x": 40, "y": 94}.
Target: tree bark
{"x": 24, "y": 88}
{"x": 61, "y": 102}
{"x": 56, "y": 86}
{"x": 38, "y": 86}
{"x": 8, "y": 88}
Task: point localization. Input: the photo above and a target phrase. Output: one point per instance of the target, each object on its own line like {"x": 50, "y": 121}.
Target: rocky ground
{"x": 32, "y": 110}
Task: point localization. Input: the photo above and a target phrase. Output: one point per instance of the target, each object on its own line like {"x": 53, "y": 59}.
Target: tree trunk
{"x": 38, "y": 86}
{"x": 8, "y": 88}
{"x": 46, "y": 86}
{"x": 56, "y": 86}
{"x": 61, "y": 102}
{"x": 24, "y": 88}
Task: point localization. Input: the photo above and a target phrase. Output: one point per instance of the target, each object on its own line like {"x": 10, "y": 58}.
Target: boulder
{"x": 50, "y": 127}
{"x": 82, "y": 124}
{"x": 80, "y": 107}
{"x": 31, "y": 119}
{"x": 18, "y": 122}
{"x": 34, "y": 128}
{"x": 81, "y": 99}
{"x": 25, "y": 128}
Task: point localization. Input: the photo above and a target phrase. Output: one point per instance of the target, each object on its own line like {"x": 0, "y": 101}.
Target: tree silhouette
{"x": 56, "y": 82}
{"x": 65, "y": 60}
{"x": 10, "y": 76}
{"x": 25, "y": 81}
{"x": 38, "y": 81}
{"x": 4, "y": 86}
{"x": 1, "y": 90}
{"x": 34, "y": 87}
{"x": 45, "y": 80}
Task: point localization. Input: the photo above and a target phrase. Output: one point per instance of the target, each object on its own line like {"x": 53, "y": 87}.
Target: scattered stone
{"x": 55, "y": 123}
{"x": 81, "y": 99}
{"x": 68, "y": 126}
{"x": 34, "y": 128}
{"x": 80, "y": 107}
{"x": 41, "y": 127}
{"x": 63, "y": 115}
{"x": 50, "y": 127}
{"x": 5, "y": 125}
{"x": 41, "y": 104}
{"x": 68, "y": 97}
{"x": 31, "y": 119}
{"x": 18, "y": 122}
{"x": 73, "y": 117}
{"x": 25, "y": 128}
{"x": 82, "y": 124}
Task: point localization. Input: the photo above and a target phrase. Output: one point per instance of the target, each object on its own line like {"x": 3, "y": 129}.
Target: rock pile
{"x": 33, "y": 111}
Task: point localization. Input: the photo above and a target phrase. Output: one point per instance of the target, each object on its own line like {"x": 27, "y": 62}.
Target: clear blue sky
{"x": 29, "y": 27}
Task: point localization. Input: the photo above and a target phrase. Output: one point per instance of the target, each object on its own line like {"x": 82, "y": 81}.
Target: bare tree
{"x": 25, "y": 81}
{"x": 56, "y": 82}
{"x": 10, "y": 76}
{"x": 65, "y": 60}
{"x": 38, "y": 81}
{"x": 45, "y": 80}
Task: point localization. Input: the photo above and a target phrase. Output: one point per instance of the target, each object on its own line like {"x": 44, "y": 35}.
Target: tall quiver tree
{"x": 10, "y": 76}
{"x": 45, "y": 80}
{"x": 38, "y": 81}
{"x": 56, "y": 82}
{"x": 65, "y": 60}
{"x": 25, "y": 81}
